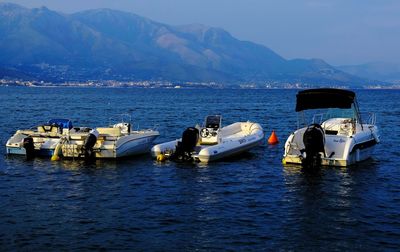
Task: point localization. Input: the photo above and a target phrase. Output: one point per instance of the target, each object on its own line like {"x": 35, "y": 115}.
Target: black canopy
{"x": 324, "y": 98}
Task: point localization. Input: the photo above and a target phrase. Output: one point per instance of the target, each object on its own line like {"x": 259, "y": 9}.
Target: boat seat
{"x": 109, "y": 131}
{"x": 48, "y": 129}
{"x": 207, "y": 141}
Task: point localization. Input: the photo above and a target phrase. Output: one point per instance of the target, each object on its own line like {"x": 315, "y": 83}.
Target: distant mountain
{"x": 388, "y": 72}
{"x": 12, "y": 73}
{"x": 109, "y": 44}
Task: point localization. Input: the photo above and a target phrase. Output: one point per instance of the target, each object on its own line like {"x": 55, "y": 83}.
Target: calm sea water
{"x": 250, "y": 202}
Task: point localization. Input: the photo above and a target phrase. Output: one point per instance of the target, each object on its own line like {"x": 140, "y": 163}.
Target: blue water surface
{"x": 250, "y": 202}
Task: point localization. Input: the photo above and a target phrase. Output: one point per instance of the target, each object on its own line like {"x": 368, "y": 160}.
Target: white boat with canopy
{"x": 211, "y": 142}
{"x": 337, "y": 134}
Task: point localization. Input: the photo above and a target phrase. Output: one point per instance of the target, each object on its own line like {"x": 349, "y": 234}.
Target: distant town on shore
{"x": 168, "y": 84}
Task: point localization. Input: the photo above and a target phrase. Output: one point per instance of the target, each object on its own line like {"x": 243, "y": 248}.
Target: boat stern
{"x": 163, "y": 148}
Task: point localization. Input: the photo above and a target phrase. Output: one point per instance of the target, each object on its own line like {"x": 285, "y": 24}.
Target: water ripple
{"x": 250, "y": 202}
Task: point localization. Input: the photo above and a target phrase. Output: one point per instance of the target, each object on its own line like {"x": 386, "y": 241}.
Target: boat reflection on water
{"x": 324, "y": 203}
{"x": 42, "y": 163}
{"x": 74, "y": 165}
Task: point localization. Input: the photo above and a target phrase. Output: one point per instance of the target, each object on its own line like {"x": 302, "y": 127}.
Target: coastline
{"x": 178, "y": 85}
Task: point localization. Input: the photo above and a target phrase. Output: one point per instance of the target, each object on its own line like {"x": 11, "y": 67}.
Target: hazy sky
{"x": 339, "y": 31}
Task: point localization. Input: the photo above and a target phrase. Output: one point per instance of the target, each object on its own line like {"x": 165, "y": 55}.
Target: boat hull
{"x": 22, "y": 151}
{"x": 135, "y": 146}
{"x": 15, "y": 151}
{"x": 219, "y": 152}
{"x": 353, "y": 158}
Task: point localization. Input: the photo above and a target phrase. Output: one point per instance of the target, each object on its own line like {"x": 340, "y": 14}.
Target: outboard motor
{"x": 184, "y": 148}
{"x": 314, "y": 142}
{"x": 29, "y": 147}
{"x": 90, "y": 141}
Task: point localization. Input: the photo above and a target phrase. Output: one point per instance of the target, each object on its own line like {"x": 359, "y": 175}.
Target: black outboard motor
{"x": 29, "y": 147}
{"x": 184, "y": 148}
{"x": 90, "y": 141}
{"x": 314, "y": 142}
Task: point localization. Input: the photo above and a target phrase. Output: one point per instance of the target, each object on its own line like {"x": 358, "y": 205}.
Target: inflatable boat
{"x": 335, "y": 135}
{"x": 211, "y": 142}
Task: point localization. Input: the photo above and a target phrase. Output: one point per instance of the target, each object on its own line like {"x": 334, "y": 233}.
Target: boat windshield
{"x": 308, "y": 117}
{"x": 213, "y": 122}
{"x": 339, "y": 113}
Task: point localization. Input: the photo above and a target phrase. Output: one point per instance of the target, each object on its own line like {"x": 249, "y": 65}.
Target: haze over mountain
{"x": 388, "y": 72}
{"x": 108, "y": 44}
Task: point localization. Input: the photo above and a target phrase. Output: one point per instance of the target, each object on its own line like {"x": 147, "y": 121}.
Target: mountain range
{"x": 383, "y": 71}
{"x": 107, "y": 44}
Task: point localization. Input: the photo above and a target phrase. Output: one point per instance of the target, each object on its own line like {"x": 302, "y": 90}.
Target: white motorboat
{"x": 59, "y": 138}
{"x": 115, "y": 141}
{"x": 211, "y": 142}
{"x": 336, "y": 136}
{"x": 41, "y": 140}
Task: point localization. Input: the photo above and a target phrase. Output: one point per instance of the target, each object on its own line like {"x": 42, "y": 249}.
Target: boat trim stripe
{"x": 364, "y": 145}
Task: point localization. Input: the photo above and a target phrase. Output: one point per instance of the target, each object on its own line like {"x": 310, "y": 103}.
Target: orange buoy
{"x": 273, "y": 139}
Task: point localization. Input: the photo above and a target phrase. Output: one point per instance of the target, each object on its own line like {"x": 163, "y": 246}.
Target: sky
{"x": 341, "y": 32}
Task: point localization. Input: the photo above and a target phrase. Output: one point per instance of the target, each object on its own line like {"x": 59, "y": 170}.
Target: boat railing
{"x": 318, "y": 118}
{"x": 304, "y": 120}
{"x": 370, "y": 118}
{"x": 156, "y": 126}
{"x": 124, "y": 118}
{"x": 135, "y": 126}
